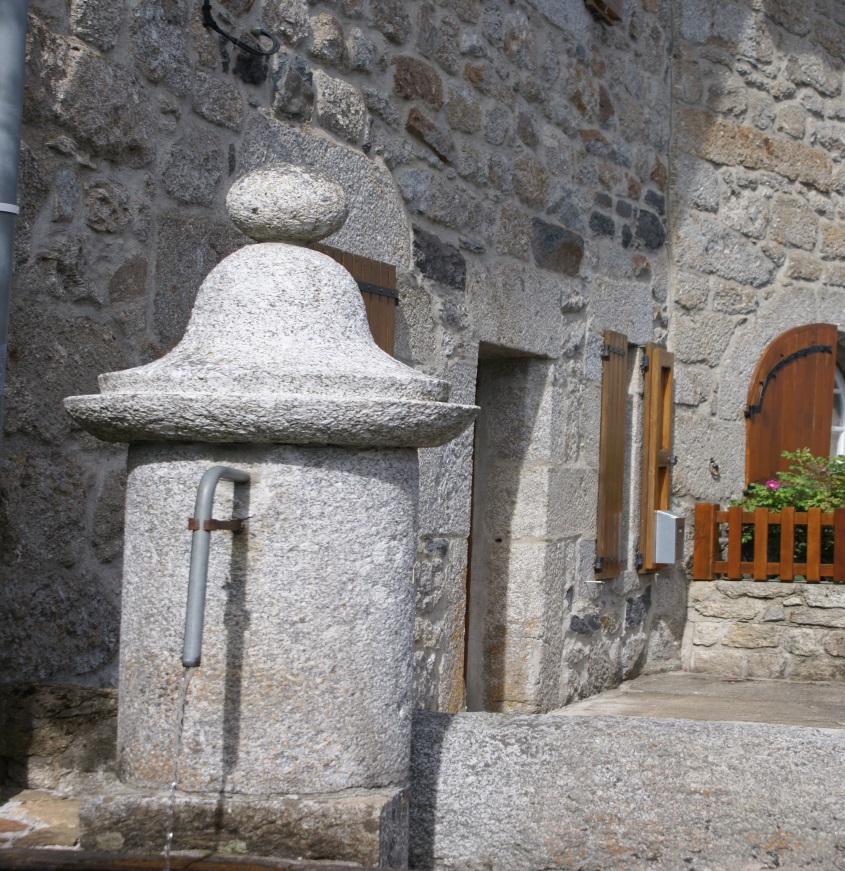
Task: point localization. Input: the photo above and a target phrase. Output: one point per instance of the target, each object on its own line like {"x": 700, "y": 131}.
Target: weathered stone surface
{"x": 824, "y": 596}
{"x": 814, "y": 70}
{"x": 515, "y": 229}
{"x": 835, "y": 644}
{"x": 287, "y": 203}
{"x": 101, "y": 105}
{"x": 370, "y": 828}
{"x": 439, "y": 141}
{"x": 728, "y": 610}
{"x": 752, "y": 635}
{"x": 556, "y": 248}
{"x": 530, "y": 181}
{"x": 727, "y": 143}
{"x": 703, "y": 338}
{"x": 194, "y": 168}
{"x": 288, "y": 19}
{"x": 832, "y": 241}
{"x": 328, "y": 43}
{"x": 361, "y": 50}
{"x": 217, "y": 101}
{"x": 107, "y": 206}
{"x": 463, "y": 110}
{"x": 793, "y": 223}
{"x": 390, "y": 17}
{"x": 707, "y": 634}
{"x": 706, "y": 245}
{"x": 293, "y": 89}
{"x": 340, "y": 107}
{"x": 97, "y": 23}
{"x": 469, "y": 773}
{"x": 834, "y": 617}
{"x": 160, "y": 43}
{"x": 415, "y": 79}
{"x": 438, "y": 260}
{"x": 71, "y": 730}
{"x": 803, "y": 266}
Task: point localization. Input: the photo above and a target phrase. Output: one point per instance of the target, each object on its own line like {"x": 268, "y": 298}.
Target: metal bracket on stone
{"x": 644, "y": 363}
{"x": 210, "y": 525}
{"x": 608, "y": 349}
{"x": 209, "y": 22}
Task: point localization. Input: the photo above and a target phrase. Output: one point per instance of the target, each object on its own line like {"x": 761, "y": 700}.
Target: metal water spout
{"x": 203, "y": 524}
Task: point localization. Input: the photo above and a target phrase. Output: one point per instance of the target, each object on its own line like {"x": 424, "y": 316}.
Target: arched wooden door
{"x": 790, "y": 399}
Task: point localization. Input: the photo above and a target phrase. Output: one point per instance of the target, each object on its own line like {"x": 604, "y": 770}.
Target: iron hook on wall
{"x": 208, "y": 21}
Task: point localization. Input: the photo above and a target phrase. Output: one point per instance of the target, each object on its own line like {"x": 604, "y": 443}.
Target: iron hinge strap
{"x": 210, "y": 525}
{"x": 607, "y": 349}
{"x": 378, "y": 289}
{"x": 795, "y": 355}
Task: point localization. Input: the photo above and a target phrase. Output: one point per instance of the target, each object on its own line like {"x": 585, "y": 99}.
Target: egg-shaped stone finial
{"x": 285, "y": 202}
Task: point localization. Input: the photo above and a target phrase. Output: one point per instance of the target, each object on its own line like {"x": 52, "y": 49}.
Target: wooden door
{"x": 790, "y": 399}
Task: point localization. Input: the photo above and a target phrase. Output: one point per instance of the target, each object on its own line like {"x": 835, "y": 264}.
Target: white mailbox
{"x": 668, "y": 537}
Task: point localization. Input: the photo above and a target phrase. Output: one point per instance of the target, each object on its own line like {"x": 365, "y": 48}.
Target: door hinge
{"x": 607, "y": 349}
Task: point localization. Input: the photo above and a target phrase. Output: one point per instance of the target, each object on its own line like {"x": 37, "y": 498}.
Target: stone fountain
{"x": 297, "y": 724}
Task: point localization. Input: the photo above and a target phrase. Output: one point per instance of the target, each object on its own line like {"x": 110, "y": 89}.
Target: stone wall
{"x": 766, "y": 630}
{"x": 757, "y": 205}
{"x": 58, "y": 737}
{"x": 510, "y": 158}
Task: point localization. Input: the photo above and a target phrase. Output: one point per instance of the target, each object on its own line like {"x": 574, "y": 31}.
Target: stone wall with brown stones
{"x": 527, "y": 146}
{"x": 749, "y": 629}
{"x": 757, "y": 210}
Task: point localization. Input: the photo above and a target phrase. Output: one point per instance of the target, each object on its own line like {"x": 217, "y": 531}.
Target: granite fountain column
{"x": 297, "y": 726}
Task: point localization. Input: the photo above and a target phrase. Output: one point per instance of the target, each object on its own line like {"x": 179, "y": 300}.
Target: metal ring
{"x": 10, "y": 207}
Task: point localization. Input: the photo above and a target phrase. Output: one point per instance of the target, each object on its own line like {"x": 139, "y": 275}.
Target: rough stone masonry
{"x": 536, "y": 177}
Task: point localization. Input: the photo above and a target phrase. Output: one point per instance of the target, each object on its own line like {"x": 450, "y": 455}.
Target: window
{"x": 837, "y": 428}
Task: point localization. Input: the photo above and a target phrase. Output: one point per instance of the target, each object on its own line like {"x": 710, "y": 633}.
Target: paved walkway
{"x": 716, "y": 699}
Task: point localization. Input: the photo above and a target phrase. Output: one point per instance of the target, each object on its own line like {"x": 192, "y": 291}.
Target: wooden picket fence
{"x": 709, "y": 564}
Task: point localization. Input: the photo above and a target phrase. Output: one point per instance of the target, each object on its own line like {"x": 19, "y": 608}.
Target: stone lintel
{"x": 724, "y": 142}
{"x": 368, "y": 828}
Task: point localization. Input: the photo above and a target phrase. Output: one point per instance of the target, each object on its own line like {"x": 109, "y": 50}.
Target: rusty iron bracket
{"x": 211, "y": 525}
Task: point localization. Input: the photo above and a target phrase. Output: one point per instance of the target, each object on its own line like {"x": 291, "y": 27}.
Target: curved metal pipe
{"x": 198, "y": 576}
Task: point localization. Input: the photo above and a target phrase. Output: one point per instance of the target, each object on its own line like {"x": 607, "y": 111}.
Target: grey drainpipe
{"x": 12, "y": 60}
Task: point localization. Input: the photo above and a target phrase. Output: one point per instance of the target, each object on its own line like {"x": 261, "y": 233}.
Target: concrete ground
{"x": 713, "y": 698}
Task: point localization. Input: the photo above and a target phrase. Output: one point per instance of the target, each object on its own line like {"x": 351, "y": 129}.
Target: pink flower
{"x": 772, "y": 485}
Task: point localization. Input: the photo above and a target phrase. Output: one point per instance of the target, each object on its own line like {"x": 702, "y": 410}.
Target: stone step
{"x": 494, "y": 792}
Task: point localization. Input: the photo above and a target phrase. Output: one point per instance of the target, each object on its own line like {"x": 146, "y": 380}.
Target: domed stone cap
{"x": 278, "y": 349}
{"x": 284, "y": 202}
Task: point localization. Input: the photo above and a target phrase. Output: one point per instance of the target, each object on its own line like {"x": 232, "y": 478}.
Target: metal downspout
{"x": 202, "y": 525}
{"x": 12, "y": 61}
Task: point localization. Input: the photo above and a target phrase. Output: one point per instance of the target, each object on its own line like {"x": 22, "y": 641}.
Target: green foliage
{"x": 810, "y": 482}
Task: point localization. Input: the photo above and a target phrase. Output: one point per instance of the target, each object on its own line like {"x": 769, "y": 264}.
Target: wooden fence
{"x": 708, "y": 563}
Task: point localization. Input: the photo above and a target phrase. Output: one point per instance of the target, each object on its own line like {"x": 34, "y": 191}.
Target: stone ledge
{"x": 369, "y": 828}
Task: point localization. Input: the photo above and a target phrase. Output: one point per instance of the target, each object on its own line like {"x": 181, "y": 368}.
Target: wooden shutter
{"x": 790, "y": 399}
{"x": 658, "y": 416}
{"x": 614, "y": 382}
{"x": 377, "y": 283}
